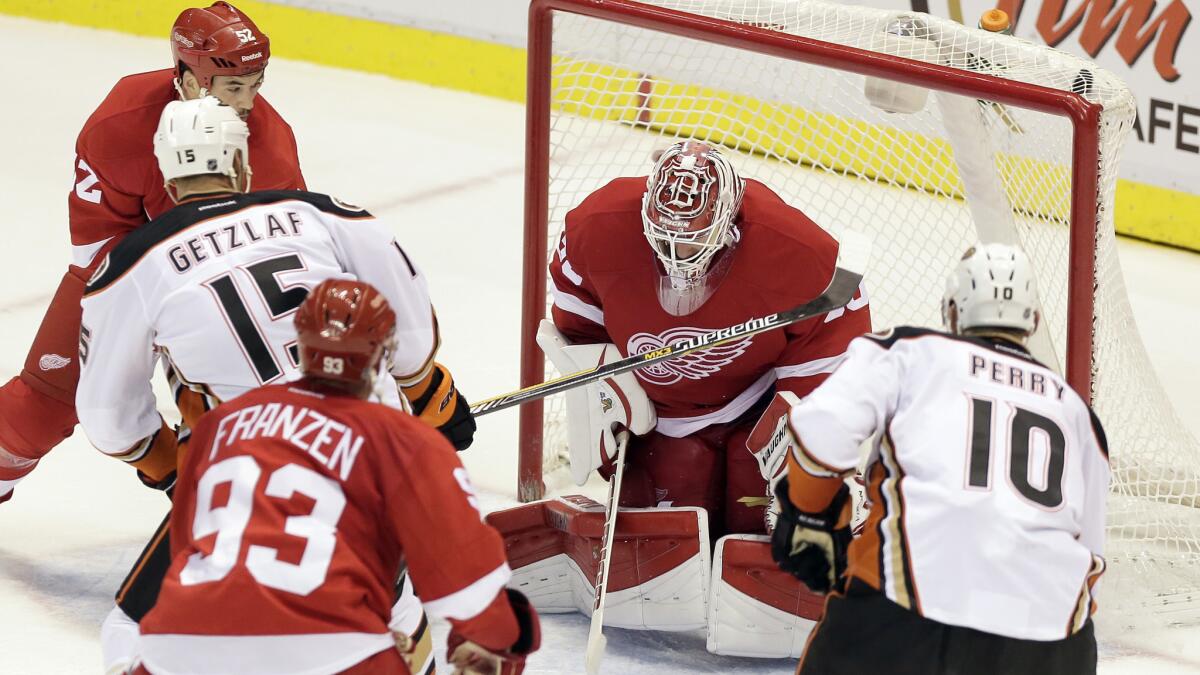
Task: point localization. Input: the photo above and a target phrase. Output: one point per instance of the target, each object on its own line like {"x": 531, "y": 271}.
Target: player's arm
{"x": 100, "y": 207}
{"x": 300, "y": 183}
{"x": 575, "y": 339}
{"x": 576, "y": 311}
{"x": 455, "y": 559}
{"x": 115, "y": 402}
{"x": 828, "y": 427}
{"x": 368, "y": 250}
{"x": 1096, "y": 476}
{"x": 814, "y": 349}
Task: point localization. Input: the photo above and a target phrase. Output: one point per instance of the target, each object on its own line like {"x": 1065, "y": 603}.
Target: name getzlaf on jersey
{"x": 211, "y": 287}
{"x": 988, "y": 483}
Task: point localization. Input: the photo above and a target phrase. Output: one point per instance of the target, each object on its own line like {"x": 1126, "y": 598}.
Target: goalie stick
{"x": 596, "y": 640}
{"x": 854, "y": 252}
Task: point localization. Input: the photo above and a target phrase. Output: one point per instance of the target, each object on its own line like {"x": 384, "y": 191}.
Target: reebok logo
{"x": 251, "y": 57}
{"x": 53, "y": 362}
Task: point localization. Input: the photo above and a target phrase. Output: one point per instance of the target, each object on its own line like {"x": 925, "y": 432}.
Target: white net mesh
{"x": 924, "y": 182}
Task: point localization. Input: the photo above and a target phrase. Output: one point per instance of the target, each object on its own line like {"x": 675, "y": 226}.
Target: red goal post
{"x": 1084, "y": 116}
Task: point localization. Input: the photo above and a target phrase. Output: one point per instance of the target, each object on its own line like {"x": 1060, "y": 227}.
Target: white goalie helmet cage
{"x": 692, "y": 196}
{"x": 992, "y": 286}
{"x": 200, "y": 136}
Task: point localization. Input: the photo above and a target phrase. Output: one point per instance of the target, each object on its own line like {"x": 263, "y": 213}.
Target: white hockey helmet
{"x": 200, "y": 136}
{"x": 692, "y": 196}
{"x": 992, "y": 287}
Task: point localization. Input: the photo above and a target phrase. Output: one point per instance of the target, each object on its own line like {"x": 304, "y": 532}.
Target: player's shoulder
{"x": 785, "y": 249}
{"x": 898, "y": 335}
{"x": 324, "y": 203}
{"x": 901, "y": 337}
{"x": 134, "y": 247}
{"x": 408, "y": 435}
{"x": 265, "y": 118}
{"x": 605, "y": 222}
{"x": 612, "y": 203}
{"x": 125, "y": 120}
{"x": 769, "y": 223}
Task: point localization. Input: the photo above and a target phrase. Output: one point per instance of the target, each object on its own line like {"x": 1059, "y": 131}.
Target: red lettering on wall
{"x": 1130, "y": 20}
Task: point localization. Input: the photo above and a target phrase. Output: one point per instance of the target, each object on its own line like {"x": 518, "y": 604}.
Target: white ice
{"x": 445, "y": 169}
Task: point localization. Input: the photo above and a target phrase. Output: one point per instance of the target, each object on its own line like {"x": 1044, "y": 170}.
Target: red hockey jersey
{"x": 605, "y": 280}
{"x": 293, "y": 514}
{"x": 117, "y": 182}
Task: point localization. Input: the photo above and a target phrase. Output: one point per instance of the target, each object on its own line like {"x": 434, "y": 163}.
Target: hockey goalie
{"x": 642, "y": 263}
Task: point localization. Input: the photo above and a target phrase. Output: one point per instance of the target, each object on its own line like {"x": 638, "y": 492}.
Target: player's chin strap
{"x": 183, "y": 97}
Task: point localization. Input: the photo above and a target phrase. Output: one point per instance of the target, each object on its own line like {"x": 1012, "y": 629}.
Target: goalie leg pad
{"x": 660, "y": 561}
{"x": 755, "y": 608}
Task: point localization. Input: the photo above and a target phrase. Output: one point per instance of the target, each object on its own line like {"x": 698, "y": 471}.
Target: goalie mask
{"x": 692, "y": 197}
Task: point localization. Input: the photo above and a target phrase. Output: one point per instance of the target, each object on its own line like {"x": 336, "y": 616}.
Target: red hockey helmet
{"x": 218, "y": 40}
{"x": 344, "y": 328}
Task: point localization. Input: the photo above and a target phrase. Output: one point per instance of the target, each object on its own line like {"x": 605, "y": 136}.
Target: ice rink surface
{"x": 444, "y": 168}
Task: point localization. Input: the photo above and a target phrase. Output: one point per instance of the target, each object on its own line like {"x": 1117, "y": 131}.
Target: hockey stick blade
{"x": 854, "y": 252}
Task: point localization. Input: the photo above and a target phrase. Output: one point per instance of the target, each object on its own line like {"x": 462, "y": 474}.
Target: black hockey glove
{"x": 439, "y": 404}
{"x": 811, "y": 546}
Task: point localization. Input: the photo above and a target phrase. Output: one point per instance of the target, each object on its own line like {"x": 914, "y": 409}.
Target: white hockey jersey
{"x": 987, "y": 479}
{"x": 212, "y": 286}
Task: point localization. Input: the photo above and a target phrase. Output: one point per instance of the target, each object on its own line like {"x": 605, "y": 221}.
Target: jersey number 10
{"x": 1023, "y": 425}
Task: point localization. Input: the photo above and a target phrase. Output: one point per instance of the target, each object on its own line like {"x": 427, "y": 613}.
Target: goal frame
{"x": 1085, "y": 169}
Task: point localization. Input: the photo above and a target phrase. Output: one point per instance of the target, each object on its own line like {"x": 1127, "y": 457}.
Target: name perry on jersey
{"x": 303, "y": 427}
{"x": 221, "y": 240}
{"x": 1008, "y": 374}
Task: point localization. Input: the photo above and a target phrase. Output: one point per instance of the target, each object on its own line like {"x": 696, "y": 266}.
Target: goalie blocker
{"x": 662, "y": 575}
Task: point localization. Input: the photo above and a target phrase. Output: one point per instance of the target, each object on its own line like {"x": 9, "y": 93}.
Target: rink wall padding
{"x": 483, "y": 67}
{"x": 403, "y": 52}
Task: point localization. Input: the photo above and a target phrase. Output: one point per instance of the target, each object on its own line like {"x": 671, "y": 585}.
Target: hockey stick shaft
{"x": 596, "y": 640}
{"x": 853, "y": 254}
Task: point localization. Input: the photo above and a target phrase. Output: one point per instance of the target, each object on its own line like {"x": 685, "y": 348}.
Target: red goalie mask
{"x": 344, "y": 328}
{"x": 218, "y": 40}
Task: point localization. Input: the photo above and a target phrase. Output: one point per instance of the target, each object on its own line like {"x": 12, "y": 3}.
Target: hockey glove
{"x": 437, "y": 402}
{"x": 811, "y": 546}
{"x": 597, "y": 411}
{"x": 469, "y": 658}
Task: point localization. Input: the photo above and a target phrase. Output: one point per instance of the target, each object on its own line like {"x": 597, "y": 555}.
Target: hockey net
{"x": 995, "y": 139}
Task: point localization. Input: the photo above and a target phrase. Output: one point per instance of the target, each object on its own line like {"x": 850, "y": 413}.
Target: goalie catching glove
{"x": 812, "y": 546}
{"x": 595, "y": 412}
{"x": 438, "y": 403}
